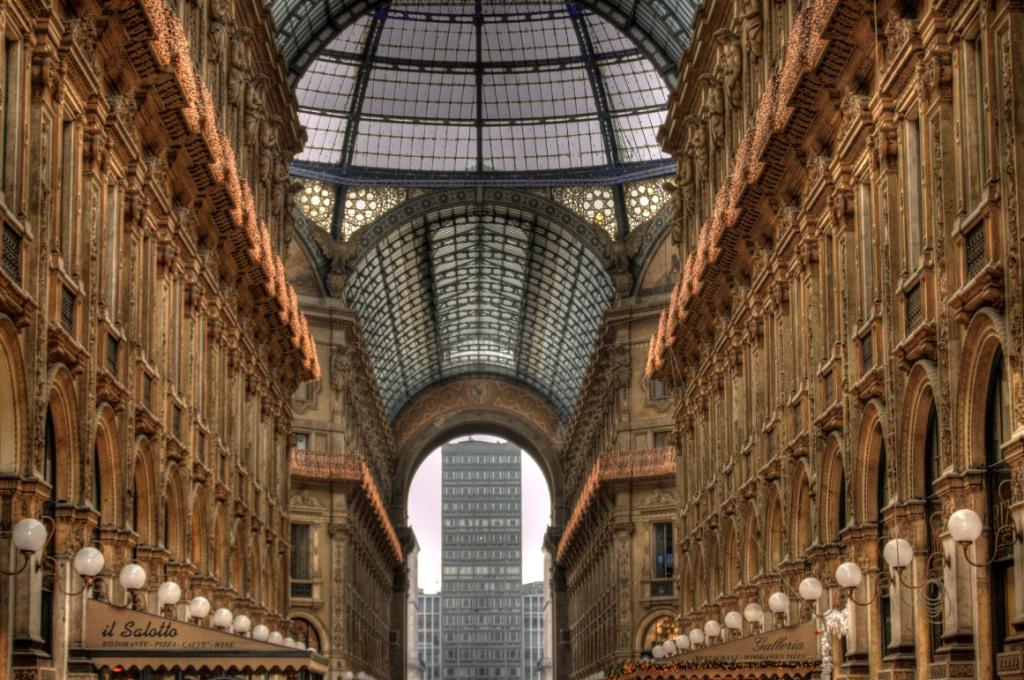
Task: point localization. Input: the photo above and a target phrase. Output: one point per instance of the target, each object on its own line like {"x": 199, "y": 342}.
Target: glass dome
{"x": 463, "y": 91}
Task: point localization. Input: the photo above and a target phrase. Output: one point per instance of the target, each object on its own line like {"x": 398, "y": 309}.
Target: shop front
{"x": 124, "y": 643}
{"x": 790, "y": 653}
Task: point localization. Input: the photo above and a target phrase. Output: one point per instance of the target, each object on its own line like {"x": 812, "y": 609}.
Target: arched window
{"x": 303, "y": 631}
{"x": 997, "y": 432}
{"x": 933, "y": 504}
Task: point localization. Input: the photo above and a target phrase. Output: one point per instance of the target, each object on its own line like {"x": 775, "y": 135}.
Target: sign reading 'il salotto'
{"x": 114, "y": 628}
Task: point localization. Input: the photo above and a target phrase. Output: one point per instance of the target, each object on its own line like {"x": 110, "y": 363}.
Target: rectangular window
{"x": 664, "y": 560}
{"x": 662, "y": 439}
{"x": 301, "y": 553}
{"x": 659, "y": 390}
{"x": 975, "y": 137}
{"x": 12, "y": 254}
{"x": 111, "y": 250}
{"x": 301, "y": 440}
{"x": 913, "y": 199}
{"x": 865, "y": 228}
{"x": 69, "y": 194}
{"x": 828, "y": 293}
{"x": 10, "y": 116}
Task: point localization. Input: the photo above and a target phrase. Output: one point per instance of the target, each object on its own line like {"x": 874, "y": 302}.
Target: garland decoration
{"x": 627, "y": 668}
{"x": 836, "y": 625}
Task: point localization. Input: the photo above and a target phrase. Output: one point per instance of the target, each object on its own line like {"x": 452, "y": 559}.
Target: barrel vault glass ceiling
{"x": 477, "y": 96}
{"x": 478, "y": 91}
{"x": 480, "y": 292}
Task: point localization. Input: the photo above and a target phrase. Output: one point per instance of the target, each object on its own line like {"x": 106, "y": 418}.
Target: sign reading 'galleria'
{"x": 793, "y": 645}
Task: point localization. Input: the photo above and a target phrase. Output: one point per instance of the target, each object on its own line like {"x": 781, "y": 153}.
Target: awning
{"x": 785, "y": 652}
{"x": 116, "y": 636}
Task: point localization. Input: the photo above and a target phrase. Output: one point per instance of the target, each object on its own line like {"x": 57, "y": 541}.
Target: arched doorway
{"x": 480, "y": 509}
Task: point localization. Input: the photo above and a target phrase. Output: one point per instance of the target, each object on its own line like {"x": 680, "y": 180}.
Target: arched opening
{"x": 239, "y": 575}
{"x": 106, "y": 483}
{"x": 663, "y": 626}
{"x": 302, "y": 630}
{"x": 480, "y": 508}
{"x": 751, "y": 546}
{"x": 802, "y": 517}
{"x": 932, "y": 471}
{"x": 834, "y": 507}
{"x": 50, "y": 475}
{"x": 199, "y": 531}
{"x": 731, "y": 552}
{"x": 12, "y": 402}
{"x": 144, "y": 503}
{"x": 220, "y": 536}
{"x": 876, "y": 491}
{"x": 999, "y": 496}
{"x": 773, "y": 532}
{"x": 173, "y": 511}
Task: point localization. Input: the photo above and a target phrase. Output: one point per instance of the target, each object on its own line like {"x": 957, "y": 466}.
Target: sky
{"x": 425, "y": 517}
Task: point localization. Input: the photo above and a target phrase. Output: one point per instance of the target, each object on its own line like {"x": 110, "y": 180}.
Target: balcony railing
{"x": 339, "y": 466}
{"x": 617, "y": 465}
{"x": 325, "y": 465}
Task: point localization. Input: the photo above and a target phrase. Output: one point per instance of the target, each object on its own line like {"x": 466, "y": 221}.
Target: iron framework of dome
{"x": 480, "y": 290}
{"x": 461, "y": 92}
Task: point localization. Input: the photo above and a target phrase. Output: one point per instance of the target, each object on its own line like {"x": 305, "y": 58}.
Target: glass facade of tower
{"x": 429, "y": 631}
{"x": 481, "y": 561}
{"x": 533, "y": 630}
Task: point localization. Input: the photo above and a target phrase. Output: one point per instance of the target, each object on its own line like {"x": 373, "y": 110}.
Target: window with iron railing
{"x": 113, "y": 345}
{"x": 867, "y": 354}
{"x": 974, "y": 250}
{"x": 67, "y": 310}
{"x": 12, "y": 254}
{"x": 914, "y": 312}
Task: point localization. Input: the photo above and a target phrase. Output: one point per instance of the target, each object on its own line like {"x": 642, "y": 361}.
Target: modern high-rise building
{"x": 481, "y": 561}
{"x": 429, "y": 634}
{"x": 533, "y": 630}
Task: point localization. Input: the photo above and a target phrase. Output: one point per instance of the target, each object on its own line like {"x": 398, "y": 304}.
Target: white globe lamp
{"x": 778, "y": 602}
{"x": 132, "y": 577}
{"x": 811, "y": 589}
{"x": 696, "y": 636}
{"x": 222, "y": 618}
{"x": 198, "y": 608}
{"x": 275, "y": 638}
{"x": 169, "y": 592}
{"x": 898, "y": 553}
{"x": 849, "y": 575}
{"x": 734, "y": 620}
{"x": 88, "y": 562}
{"x": 29, "y": 535}
{"x": 753, "y": 613}
{"x": 964, "y": 526}
{"x": 242, "y": 624}
{"x": 260, "y": 633}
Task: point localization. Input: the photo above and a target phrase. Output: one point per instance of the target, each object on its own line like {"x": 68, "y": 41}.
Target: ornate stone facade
{"x": 845, "y": 340}
{"x": 149, "y": 344}
{"x": 619, "y": 462}
{"x": 355, "y": 557}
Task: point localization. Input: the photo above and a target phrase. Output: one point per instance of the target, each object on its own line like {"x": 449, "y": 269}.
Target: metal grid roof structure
{"x": 413, "y": 92}
{"x": 661, "y": 28}
{"x": 484, "y": 292}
